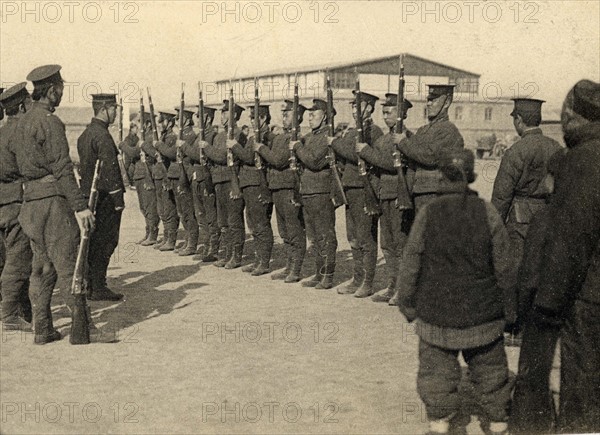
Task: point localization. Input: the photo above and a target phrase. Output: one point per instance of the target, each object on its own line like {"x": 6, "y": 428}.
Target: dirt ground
{"x": 204, "y": 350}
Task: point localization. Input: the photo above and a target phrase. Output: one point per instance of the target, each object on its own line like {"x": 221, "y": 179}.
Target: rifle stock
{"x": 372, "y": 206}
{"x": 236, "y": 192}
{"x": 404, "y": 199}
{"x": 338, "y": 196}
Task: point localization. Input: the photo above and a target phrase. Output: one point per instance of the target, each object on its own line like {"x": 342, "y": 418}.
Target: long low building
{"x": 475, "y": 115}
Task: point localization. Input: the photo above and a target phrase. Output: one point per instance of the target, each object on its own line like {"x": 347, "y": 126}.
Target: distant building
{"x": 474, "y": 115}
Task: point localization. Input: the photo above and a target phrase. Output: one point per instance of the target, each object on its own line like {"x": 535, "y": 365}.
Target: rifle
{"x": 236, "y": 192}
{"x": 404, "y": 200}
{"x": 372, "y": 206}
{"x": 119, "y": 152}
{"x": 295, "y": 126}
{"x": 80, "y": 333}
{"x": 338, "y": 196}
{"x": 184, "y": 183}
{"x": 202, "y": 134}
{"x": 153, "y": 122}
{"x": 265, "y": 193}
{"x": 148, "y": 182}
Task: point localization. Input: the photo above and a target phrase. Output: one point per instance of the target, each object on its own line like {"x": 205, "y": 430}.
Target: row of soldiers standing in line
{"x": 207, "y": 209}
{"x": 302, "y": 201}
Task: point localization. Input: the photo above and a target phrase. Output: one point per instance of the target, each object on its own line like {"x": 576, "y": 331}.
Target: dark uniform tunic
{"x": 14, "y": 273}
{"x": 130, "y": 141}
{"x": 284, "y": 186}
{"x": 203, "y": 193}
{"x": 51, "y": 196}
{"x": 423, "y": 148}
{"x": 165, "y": 197}
{"x": 144, "y": 184}
{"x": 257, "y": 198}
{"x": 315, "y": 188}
{"x": 230, "y": 212}
{"x": 361, "y": 229}
{"x": 96, "y": 143}
{"x": 519, "y": 191}
{"x": 394, "y": 223}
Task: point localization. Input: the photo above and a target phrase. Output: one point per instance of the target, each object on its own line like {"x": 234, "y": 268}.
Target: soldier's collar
{"x": 440, "y": 118}
{"x": 532, "y": 130}
{"x": 44, "y": 106}
{"x": 100, "y": 121}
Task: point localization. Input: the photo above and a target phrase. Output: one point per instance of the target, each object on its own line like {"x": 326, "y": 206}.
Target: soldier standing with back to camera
{"x": 164, "y": 190}
{"x": 230, "y": 211}
{"x": 361, "y": 228}
{"x": 283, "y": 183}
{"x": 96, "y": 143}
{"x": 14, "y": 273}
{"x": 52, "y": 200}
{"x": 257, "y": 196}
{"x": 394, "y": 222}
{"x": 424, "y": 147}
{"x": 203, "y": 190}
{"x": 315, "y": 188}
{"x": 519, "y": 190}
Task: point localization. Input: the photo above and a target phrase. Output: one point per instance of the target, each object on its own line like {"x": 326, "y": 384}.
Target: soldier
{"x": 142, "y": 157}
{"x": 96, "y": 143}
{"x": 1, "y": 107}
{"x": 518, "y": 190}
{"x": 230, "y": 211}
{"x": 203, "y": 190}
{"x": 424, "y": 147}
{"x": 394, "y": 222}
{"x": 284, "y": 186}
{"x": 361, "y": 228}
{"x": 165, "y": 194}
{"x": 315, "y": 188}
{"x": 257, "y": 196}
{"x": 180, "y": 173}
{"x": 14, "y": 273}
{"x": 52, "y": 200}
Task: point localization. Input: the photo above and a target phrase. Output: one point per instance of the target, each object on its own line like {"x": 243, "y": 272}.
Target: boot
{"x": 104, "y": 294}
{"x": 249, "y": 268}
{"x": 169, "y": 244}
{"x": 358, "y": 274}
{"x": 295, "y": 269}
{"x": 47, "y": 337}
{"x": 327, "y": 280}
{"x": 395, "y": 299}
{"x": 211, "y": 252}
{"x": 221, "y": 262}
{"x": 16, "y": 323}
{"x": 318, "y": 275}
{"x": 261, "y": 269}
{"x": 386, "y": 294}
{"x": 180, "y": 247}
{"x": 139, "y": 242}
{"x": 80, "y": 332}
{"x": 151, "y": 240}
{"x": 285, "y": 272}
{"x": 162, "y": 241}
{"x": 192, "y": 242}
{"x": 236, "y": 258}
{"x": 366, "y": 289}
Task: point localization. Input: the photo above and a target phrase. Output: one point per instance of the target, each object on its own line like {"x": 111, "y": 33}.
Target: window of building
{"x": 343, "y": 80}
{"x": 488, "y": 114}
{"x": 458, "y": 113}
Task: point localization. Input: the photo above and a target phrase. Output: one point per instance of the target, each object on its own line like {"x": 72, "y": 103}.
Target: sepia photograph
{"x": 311, "y": 216}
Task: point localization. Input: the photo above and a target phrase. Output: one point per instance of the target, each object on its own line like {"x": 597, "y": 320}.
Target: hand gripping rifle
{"x": 236, "y": 192}
{"x": 153, "y": 121}
{"x": 119, "y": 152}
{"x": 80, "y": 333}
{"x": 372, "y": 206}
{"x": 265, "y": 193}
{"x": 338, "y": 196}
{"x": 404, "y": 200}
{"x": 184, "y": 183}
{"x": 148, "y": 182}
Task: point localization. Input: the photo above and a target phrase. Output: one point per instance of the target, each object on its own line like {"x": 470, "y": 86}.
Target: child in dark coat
{"x": 457, "y": 282}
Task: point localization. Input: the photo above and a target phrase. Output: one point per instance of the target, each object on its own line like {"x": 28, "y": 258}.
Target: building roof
{"x": 388, "y": 65}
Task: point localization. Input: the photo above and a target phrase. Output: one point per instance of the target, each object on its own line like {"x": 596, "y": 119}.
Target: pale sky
{"x": 541, "y": 45}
